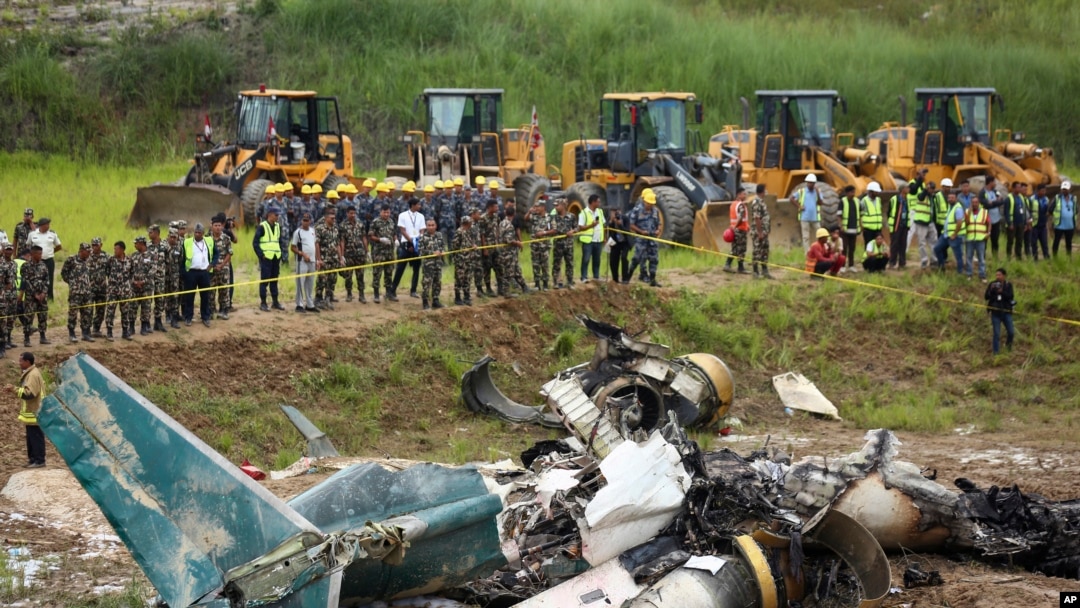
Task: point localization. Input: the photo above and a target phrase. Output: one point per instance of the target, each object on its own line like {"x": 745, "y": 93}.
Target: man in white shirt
{"x": 50, "y": 243}
{"x": 198, "y": 257}
{"x": 410, "y": 224}
{"x": 302, "y": 245}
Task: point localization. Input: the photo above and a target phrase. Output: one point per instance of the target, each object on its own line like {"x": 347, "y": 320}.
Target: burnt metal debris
{"x": 619, "y": 513}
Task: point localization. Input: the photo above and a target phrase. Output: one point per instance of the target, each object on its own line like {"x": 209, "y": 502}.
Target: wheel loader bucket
{"x": 714, "y": 218}
{"x": 162, "y": 204}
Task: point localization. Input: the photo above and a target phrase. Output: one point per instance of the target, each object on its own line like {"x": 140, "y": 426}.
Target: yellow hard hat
{"x": 448, "y": 184}
{"x": 343, "y": 187}
{"x": 382, "y": 188}
{"x": 409, "y": 187}
{"x": 822, "y": 233}
{"x": 288, "y": 187}
{"x": 316, "y": 189}
{"x": 369, "y": 183}
{"x": 305, "y": 189}
{"x": 480, "y": 180}
{"x": 493, "y": 184}
{"x": 438, "y": 184}
{"x": 390, "y": 186}
{"x": 271, "y": 189}
{"x": 458, "y": 181}
{"x": 429, "y": 188}
{"x": 350, "y": 188}
{"x": 333, "y": 195}
{"x": 648, "y": 196}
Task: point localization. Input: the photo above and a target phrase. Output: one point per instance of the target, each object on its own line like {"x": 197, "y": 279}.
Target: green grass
{"x": 166, "y": 78}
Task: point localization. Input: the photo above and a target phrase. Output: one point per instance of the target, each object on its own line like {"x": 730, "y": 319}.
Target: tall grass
{"x": 559, "y": 55}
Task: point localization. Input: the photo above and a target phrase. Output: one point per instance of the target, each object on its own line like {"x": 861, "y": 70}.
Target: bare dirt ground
{"x": 48, "y": 514}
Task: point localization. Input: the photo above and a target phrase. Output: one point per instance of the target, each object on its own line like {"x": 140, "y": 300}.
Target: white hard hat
{"x": 1066, "y": 185}
{"x": 811, "y": 179}
{"x": 946, "y": 183}
{"x": 873, "y": 187}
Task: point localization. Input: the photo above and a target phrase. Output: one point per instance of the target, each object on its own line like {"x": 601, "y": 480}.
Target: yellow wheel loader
{"x": 953, "y": 137}
{"x": 794, "y": 137}
{"x": 281, "y": 136}
{"x": 463, "y": 138}
{"x": 645, "y": 142}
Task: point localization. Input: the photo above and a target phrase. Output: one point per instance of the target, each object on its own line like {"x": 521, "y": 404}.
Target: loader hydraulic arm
{"x": 1001, "y": 167}
{"x": 838, "y": 174}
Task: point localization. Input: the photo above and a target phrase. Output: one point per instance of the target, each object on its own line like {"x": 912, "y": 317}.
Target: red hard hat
{"x": 729, "y": 236}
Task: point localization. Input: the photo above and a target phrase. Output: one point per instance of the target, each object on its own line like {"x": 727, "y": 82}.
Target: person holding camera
{"x": 1000, "y": 302}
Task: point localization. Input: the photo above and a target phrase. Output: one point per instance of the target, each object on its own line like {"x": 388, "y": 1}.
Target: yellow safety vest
{"x": 978, "y": 227}
{"x": 871, "y": 219}
{"x": 950, "y": 219}
{"x": 18, "y": 273}
{"x": 586, "y": 236}
{"x": 920, "y": 211}
{"x": 189, "y": 249}
{"x": 941, "y": 205}
{"x": 270, "y": 243}
{"x": 25, "y": 415}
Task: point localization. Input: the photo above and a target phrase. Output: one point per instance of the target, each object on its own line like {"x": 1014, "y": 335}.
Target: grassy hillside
{"x": 137, "y": 97}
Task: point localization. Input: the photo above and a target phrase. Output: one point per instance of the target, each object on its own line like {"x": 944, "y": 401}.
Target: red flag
{"x": 273, "y": 132}
{"x": 535, "y": 129}
{"x": 207, "y": 131}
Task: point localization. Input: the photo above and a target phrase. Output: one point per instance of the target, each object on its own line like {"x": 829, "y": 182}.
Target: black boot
{"x": 742, "y": 268}
{"x": 108, "y": 334}
{"x": 544, "y": 286}
{"x": 175, "y": 323}
{"x": 86, "y": 337}
{"x": 144, "y": 328}
{"x": 765, "y": 272}
{"x": 457, "y": 297}
{"x": 630, "y": 273}
{"x": 436, "y": 304}
{"x": 756, "y": 274}
{"x": 71, "y": 336}
{"x": 378, "y": 300}
{"x": 727, "y": 266}
{"x": 10, "y": 343}
{"x": 348, "y": 295}
{"x": 42, "y": 338}
{"x": 467, "y": 300}
{"x": 425, "y": 302}
{"x": 159, "y": 326}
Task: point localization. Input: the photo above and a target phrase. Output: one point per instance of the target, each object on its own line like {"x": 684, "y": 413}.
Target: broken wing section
{"x": 483, "y": 397}
{"x": 185, "y": 513}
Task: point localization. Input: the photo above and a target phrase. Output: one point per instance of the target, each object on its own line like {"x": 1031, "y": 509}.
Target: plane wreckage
{"x": 619, "y": 513}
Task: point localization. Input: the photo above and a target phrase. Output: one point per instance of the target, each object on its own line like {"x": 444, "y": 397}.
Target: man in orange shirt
{"x": 822, "y": 257}
{"x": 740, "y": 224}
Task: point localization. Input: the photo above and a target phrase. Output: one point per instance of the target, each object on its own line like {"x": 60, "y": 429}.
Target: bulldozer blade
{"x": 714, "y": 218}
{"x": 161, "y": 204}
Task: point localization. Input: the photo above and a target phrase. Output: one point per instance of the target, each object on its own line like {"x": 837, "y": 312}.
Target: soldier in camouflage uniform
{"x": 381, "y": 235}
{"x": 142, "y": 279}
{"x": 354, "y": 243}
{"x": 447, "y": 215}
{"x": 174, "y": 260}
{"x": 121, "y": 290}
{"x": 23, "y": 230}
{"x": 329, "y": 257}
{"x": 432, "y": 244}
{"x": 740, "y": 225}
{"x": 99, "y": 279}
{"x": 489, "y": 237}
{"x": 464, "y": 246}
{"x": 9, "y": 282}
{"x": 76, "y": 273}
{"x": 646, "y": 222}
{"x": 35, "y": 292}
{"x": 160, "y": 249}
{"x": 760, "y": 225}
{"x": 222, "y": 275}
{"x": 541, "y": 227}
{"x": 476, "y": 261}
{"x": 509, "y": 259}
{"x": 564, "y": 225}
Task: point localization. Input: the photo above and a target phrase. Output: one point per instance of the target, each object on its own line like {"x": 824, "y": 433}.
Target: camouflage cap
{"x": 181, "y": 223}
{"x": 173, "y": 224}
{"x": 174, "y": 232}
{"x": 84, "y": 246}
{"x": 140, "y": 239}
{"x": 28, "y": 211}
{"x": 465, "y": 219}
{"x": 7, "y": 245}
{"x": 96, "y": 240}
{"x": 154, "y": 228}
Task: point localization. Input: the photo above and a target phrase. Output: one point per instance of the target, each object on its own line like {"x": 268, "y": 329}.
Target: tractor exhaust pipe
{"x": 903, "y": 110}
{"x": 745, "y": 113}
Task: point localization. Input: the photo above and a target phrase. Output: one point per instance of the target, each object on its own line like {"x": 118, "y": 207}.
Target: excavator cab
{"x": 791, "y": 122}
{"x": 637, "y": 129}
{"x": 948, "y": 120}
{"x": 465, "y": 118}
{"x": 307, "y": 128}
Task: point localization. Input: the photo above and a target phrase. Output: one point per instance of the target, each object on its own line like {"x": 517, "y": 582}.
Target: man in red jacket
{"x": 822, "y": 258}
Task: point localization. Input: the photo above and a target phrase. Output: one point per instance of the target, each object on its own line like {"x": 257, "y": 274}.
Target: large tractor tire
{"x": 253, "y": 194}
{"x": 676, "y": 214}
{"x": 829, "y": 203}
{"x": 577, "y": 196}
{"x": 527, "y": 189}
{"x": 333, "y": 181}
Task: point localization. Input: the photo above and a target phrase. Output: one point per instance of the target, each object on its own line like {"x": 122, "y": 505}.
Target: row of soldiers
{"x": 145, "y": 283}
